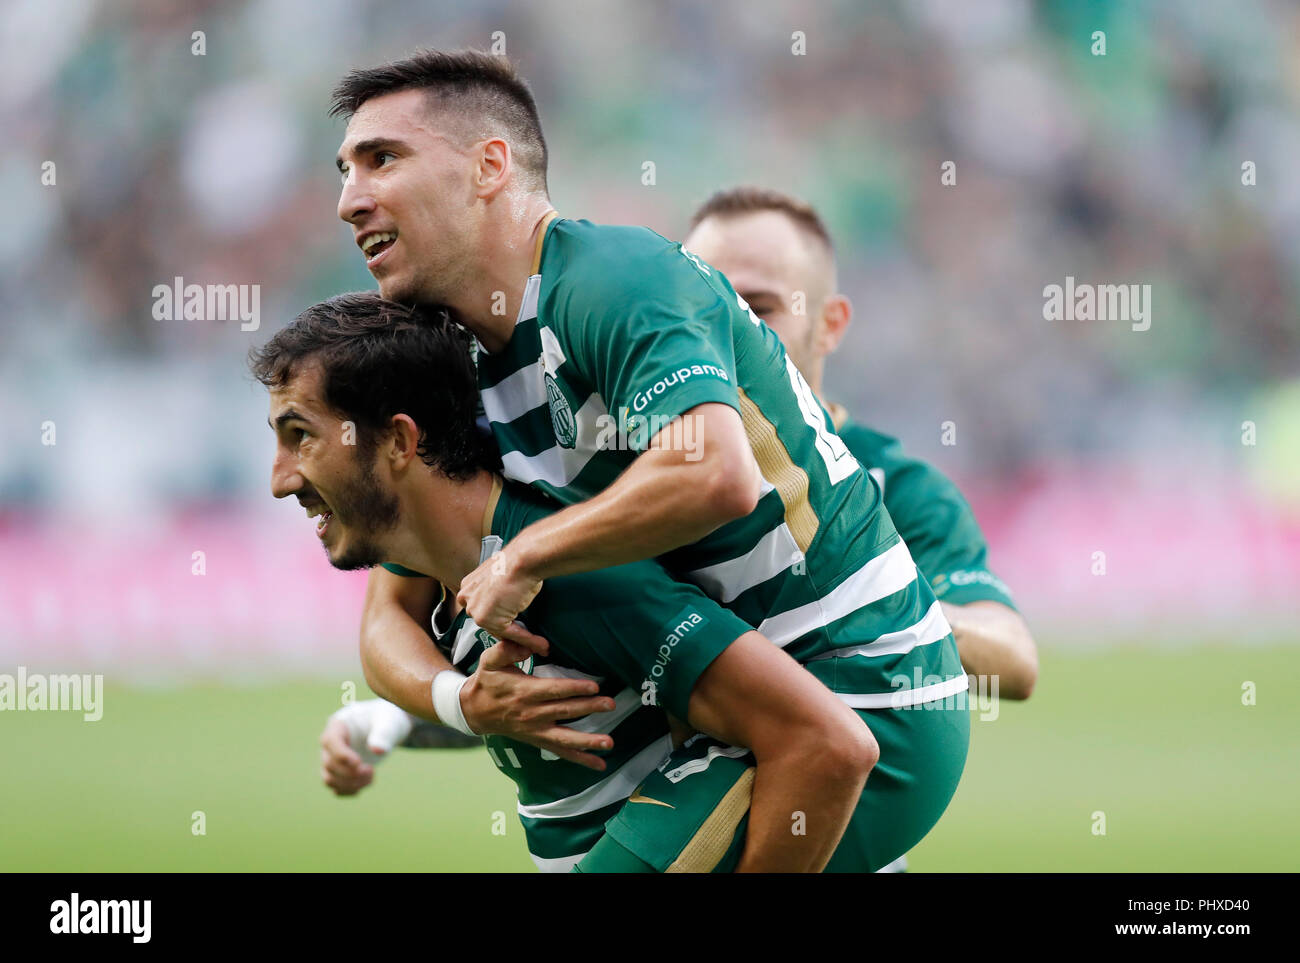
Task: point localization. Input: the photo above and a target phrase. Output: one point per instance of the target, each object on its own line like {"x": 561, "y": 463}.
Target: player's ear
{"x": 495, "y": 166}
{"x": 404, "y": 441}
{"x": 837, "y": 312}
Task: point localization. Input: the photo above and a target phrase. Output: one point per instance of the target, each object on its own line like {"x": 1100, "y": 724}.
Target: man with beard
{"x": 601, "y": 351}
{"x": 416, "y": 491}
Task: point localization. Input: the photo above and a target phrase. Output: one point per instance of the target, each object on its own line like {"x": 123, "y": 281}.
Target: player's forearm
{"x": 399, "y": 661}
{"x": 802, "y": 802}
{"x": 660, "y": 503}
{"x": 995, "y": 641}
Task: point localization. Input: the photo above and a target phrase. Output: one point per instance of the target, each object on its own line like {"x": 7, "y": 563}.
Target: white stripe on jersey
{"x": 897, "y": 866}
{"x": 513, "y": 395}
{"x": 625, "y": 703}
{"x": 699, "y": 765}
{"x": 775, "y": 553}
{"x": 465, "y": 640}
{"x": 558, "y": 466}
{"x": 879, "y": 475}
{"x": 548, "y": 670}
{"x": 532, "y": 291}
{"x": 901, "y": 698}
{"x": 559, "y": 864}
{"x": 552, "y": 354}
{"x": 932, "y": 628}
{"x": 887, "y": 573}
{"x": 615, "y": 787}
{"x": 521, "y": 392}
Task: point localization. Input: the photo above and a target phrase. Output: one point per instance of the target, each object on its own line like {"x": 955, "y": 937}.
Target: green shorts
{"x": 689, "y": 816}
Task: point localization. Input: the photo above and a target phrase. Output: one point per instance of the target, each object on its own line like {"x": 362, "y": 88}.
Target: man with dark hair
{"x": 372, "y": 359}
{"x": 626, "y": 379}
{"x": 475, "y": 92}
{"x": 418, "y": 495}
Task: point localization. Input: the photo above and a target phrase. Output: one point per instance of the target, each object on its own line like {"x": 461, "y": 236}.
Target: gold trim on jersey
{"x": 636, "y": 797}
{"x": 790, "y": 481}
{"x": 549, "y": 216}
{"x": 712, "y": 840}
{"x": 490, "y": 509}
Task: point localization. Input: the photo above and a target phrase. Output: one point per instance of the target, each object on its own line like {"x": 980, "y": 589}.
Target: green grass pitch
{"x": 1157, "y": 739}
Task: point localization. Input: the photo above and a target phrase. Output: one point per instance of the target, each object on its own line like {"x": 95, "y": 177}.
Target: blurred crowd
{"x": 190, "y": 139}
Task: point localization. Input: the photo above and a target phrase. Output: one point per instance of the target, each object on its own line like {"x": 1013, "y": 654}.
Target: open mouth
{"x": 323, "y": 518}
{"x": 376, "y": 245}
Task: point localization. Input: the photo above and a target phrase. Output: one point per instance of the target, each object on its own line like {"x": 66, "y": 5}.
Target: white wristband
{"x": 446, "y": 700}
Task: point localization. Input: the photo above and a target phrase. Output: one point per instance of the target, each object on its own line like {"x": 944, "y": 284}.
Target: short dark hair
{"x": 380, "y": 359}
{"x": 750, "y": 200}
{"x": 469, "y": 82}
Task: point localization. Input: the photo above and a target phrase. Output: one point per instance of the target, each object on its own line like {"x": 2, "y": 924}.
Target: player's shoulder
{"x": 613, "y": 264}
{"x": 518, "y": 506}
{"x": 586, "y": 242}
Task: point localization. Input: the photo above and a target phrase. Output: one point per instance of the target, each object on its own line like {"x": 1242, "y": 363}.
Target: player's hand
{"x": 499, "y": 699}
{"x": 355, "y": 739}
{"x": 496, "y": 592}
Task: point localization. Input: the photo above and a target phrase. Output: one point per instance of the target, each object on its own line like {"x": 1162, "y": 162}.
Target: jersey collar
{"x": 491, "y": 542}
{"x": 549, "y": 216}
{"x": 533, "y": 289}
{"x": 490, "y": 509}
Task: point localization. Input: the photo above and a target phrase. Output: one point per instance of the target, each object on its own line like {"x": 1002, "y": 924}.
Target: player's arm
{"x": 670, "y": 496}
{"x": 400, "y": 662}
{"x": 994, "y": 640}
{"x": 362, "y": 734}
{"x": 947, "y": 544}
{"x": 813, "y": 752}
{"x": 700, "y": 662}
{"x": 696, "y": 470}
{"x": 398, "y": 656}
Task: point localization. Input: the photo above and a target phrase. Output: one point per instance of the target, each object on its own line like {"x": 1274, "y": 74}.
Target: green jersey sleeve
{"x": 934, "y": 519}
{"x": 638, "y": 624}
{"x": 655, "y": 338}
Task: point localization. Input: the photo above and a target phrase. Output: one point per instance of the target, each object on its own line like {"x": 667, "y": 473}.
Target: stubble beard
{"x": 367, "y": 511}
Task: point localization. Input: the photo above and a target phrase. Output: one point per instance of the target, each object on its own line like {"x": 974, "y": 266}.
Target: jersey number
{"x": 840, "y": 463}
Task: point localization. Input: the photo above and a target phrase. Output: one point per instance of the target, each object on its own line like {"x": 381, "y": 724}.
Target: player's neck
{"x": 491, "y": 306}
{"x": 441, "y": 533}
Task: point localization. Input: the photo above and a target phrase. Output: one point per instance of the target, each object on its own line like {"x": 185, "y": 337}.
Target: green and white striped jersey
{"x": 620, "y": 332}
{"x": 643, "y": 636}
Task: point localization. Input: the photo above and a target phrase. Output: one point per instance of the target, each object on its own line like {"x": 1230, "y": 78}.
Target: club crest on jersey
{"x": 566, "y": 429}
{"x": 487, "y": 641}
